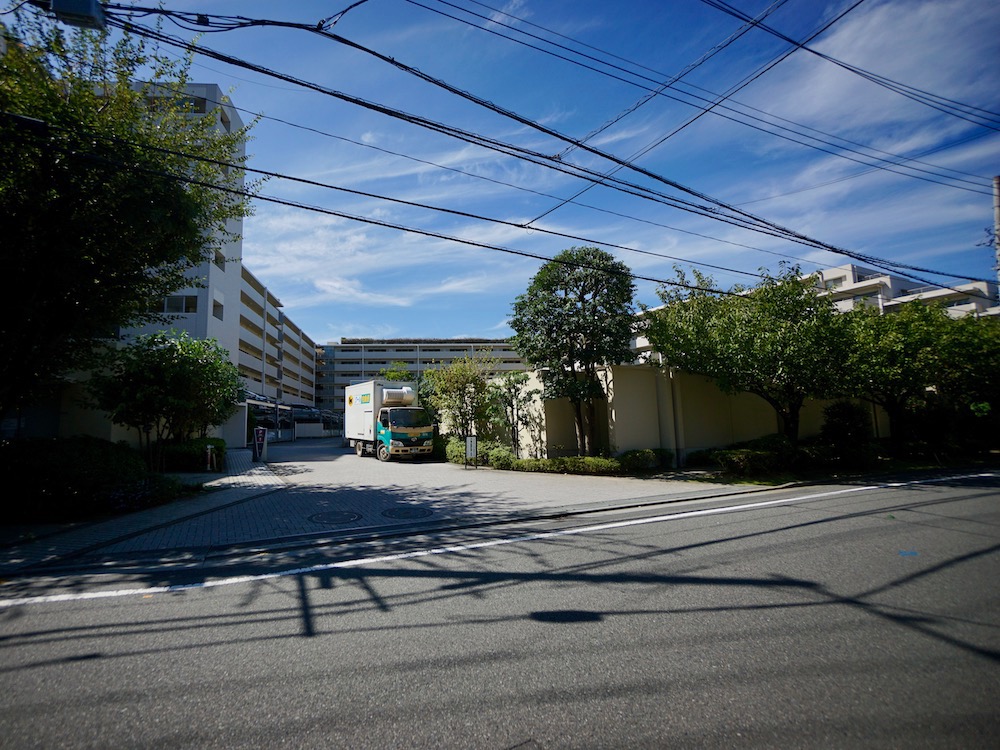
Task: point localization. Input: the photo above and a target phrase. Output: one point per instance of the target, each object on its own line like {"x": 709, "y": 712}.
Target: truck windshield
{"x": 409, "y": 418}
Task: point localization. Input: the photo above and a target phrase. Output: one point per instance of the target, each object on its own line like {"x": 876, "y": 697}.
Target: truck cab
{"x": 403, "y": 431}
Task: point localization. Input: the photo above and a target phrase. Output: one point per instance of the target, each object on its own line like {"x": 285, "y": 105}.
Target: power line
{"x": 521, "y": 188}
{"x": 677, "y": 77}
{"x": 948, "y": 106}
{"x": 736, "y": 217}
{"x": 747, "y": 80}
{"x": 894, "y": 158}
{"x": 44, "y": 129}
{"x": 730, "y": 214}
{"x": 229, "y": 23}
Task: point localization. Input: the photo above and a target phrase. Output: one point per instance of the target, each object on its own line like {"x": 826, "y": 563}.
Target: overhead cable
{"x": 680, "y": 87}
{"x": 728, "y": 213}
{"x": 976, "y": 115}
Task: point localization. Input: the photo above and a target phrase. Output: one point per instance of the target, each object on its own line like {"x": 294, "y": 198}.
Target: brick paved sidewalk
{"x": 316, "y": 490}
{"x": 242, "y": 480}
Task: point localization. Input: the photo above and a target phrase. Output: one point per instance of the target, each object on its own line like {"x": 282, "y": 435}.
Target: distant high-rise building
{"x": 356, "y": 359}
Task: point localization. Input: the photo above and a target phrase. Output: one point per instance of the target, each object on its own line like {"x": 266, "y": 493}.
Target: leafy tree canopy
{"x": 576, "y": 316}
{"x": 513, "y": 400}
{"x": 893, "y": 359}
{"x": 168, "y": 386}
{"x": 96, "y": 223}
{"x": 397, "y": 371}
{"x": 460, "y": 395}
{"x": 781, "y": 340}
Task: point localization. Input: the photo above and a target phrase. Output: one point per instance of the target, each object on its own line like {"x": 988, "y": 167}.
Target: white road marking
{"x": 236, "y": 580}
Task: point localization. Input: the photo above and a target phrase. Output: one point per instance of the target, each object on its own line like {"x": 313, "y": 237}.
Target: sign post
{"x": 471, "y": 451}
{"x": 259, "y": 443}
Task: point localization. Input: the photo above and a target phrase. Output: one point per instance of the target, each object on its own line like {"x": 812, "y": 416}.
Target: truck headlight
{"x": 395, "y": 444}
{"x": 428, "y": 442}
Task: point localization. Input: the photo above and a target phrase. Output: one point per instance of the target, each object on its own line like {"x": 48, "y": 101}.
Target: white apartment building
{"x": 226, "y": 302}
{"x": 356, "y": 359}
{"x": 851, "y": 285}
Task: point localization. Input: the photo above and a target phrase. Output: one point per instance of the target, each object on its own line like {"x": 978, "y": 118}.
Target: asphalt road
{"x": 839, "y": 616}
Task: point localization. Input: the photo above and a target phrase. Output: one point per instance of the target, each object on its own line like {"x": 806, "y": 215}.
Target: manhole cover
{"x": 335, "y": 517}
{"x": 406, "y": 513}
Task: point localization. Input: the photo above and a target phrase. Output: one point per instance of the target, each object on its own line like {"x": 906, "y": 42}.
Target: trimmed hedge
{"x": 748, "y": 462}
{"x": 646, "y": 459}
{"x": 500, "y": 456}
{"x": 570, "y": 465}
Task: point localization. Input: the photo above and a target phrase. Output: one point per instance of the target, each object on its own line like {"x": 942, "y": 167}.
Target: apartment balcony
{"x": 249, "y": 361}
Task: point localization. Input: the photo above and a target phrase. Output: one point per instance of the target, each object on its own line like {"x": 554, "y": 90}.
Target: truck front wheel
{"x": 383, "y": 452}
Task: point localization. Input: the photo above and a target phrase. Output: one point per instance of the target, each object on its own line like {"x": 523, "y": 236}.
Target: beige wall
{"x": 638, "y": 402}
{"x": 560, "y": 428}
{"x": 648, "y": 408}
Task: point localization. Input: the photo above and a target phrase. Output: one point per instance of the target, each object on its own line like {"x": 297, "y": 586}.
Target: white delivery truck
{"x": 384, "y": 418}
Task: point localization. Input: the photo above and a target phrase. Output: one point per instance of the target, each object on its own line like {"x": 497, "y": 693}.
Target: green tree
{"x": 894, "y": 359}
{"x": 969, "y": 377}
{"x": 396, "y": 371}
{"x": 513, "y": 400}
{"x": 781, "y": 340}
{"x": 576, "y": 316}
{"x": 96, "y": 217}
{"x": 168, "y": 387}
{"x": 460, "y": 395}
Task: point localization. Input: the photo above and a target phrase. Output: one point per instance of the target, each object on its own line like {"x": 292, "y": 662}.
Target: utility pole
{"x": 996, "y": 228}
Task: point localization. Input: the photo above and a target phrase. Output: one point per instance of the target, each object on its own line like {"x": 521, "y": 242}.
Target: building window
{"x": 178, "y": 304}
{"x": 220, "y": 260}
{"x": 834, "y": 283}
{"x": 866, "y": 299}
{"x": 217, "y": 309}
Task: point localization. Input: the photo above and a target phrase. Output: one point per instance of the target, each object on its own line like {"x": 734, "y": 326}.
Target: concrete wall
{"x": 636, "y": 409}
{"x": 650, "y": 408}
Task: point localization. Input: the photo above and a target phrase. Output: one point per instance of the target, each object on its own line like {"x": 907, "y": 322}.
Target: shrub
{"x": 570, "y": 465}
{"x": 530, "y": 464}
{"x": 190, "y": 455}
{"x": 455, "y": 449}
{"x": 665, "y": 457}
{"x": 847, "y": 430}
{"x": 748, "y": 462}
{"x": 639, "y": 460}
{"x": 776, "y": 443}
{"x": 74, "y": 479}
{"x": 704, "y": 457}
{"x": 501, "y": 457}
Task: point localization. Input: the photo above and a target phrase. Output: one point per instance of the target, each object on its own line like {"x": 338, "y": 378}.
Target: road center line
{"x": 453, "y": 549}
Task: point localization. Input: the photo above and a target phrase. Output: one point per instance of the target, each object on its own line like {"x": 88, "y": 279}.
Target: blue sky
{"x": 573, "y": 67}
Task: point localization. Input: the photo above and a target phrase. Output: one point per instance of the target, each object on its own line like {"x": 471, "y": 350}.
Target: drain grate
{"x": 335, "y": 517}
{"x": 407, "y": 513}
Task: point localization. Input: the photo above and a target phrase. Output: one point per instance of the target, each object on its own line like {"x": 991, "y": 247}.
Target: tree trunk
{"x": 591, "y": 428}
{"x": 581, "y": 429}
{"x": 788, "y": 422}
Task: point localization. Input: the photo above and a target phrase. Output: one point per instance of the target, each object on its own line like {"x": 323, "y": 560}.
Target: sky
{"x": 422, "y": 234}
